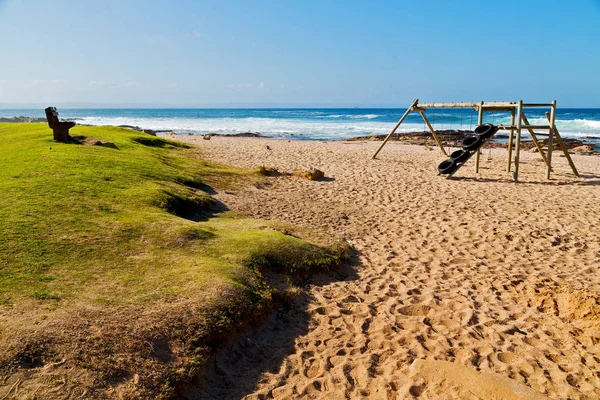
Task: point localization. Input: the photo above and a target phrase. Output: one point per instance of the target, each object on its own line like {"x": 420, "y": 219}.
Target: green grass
{"x": 131, "y": 226}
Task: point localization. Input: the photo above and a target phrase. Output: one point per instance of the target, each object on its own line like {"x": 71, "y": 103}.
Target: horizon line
{"x": 86, "y": 106}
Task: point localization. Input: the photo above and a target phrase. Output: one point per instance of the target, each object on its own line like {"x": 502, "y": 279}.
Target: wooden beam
{"x": 551, "y": 138}
{"x": 488, "y": 104}
{"x": 536, "y": 126}
{"x": 511, "y": 140}
{"x": 414, "y": 103}
{"x": 563, "y": 147}
{"x": 527, "y": 126}
{"x": 508, "y": 105}
{"x": 435, "y": 137}
{"x": 479, "y": 122}
{"x": 518, "y": 144}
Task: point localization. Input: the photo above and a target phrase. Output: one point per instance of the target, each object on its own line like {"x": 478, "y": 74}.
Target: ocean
{"x": 316, "y": 123}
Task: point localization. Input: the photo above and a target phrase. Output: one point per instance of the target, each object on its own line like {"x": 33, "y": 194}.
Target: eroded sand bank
{"x": 492, "y": 276}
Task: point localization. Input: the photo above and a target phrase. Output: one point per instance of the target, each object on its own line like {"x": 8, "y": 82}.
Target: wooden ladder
{"x": 539, "y": 144}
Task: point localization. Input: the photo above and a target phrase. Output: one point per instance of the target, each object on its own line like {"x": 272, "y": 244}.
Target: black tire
{"x": 485, "y": 131}
{"x": 460, "y": 156}
{"x": 447, "y": 167}
{"x": 472, "y": 143}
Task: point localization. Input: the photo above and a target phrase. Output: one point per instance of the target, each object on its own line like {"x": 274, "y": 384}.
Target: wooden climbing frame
{"x": 522, "y": 123}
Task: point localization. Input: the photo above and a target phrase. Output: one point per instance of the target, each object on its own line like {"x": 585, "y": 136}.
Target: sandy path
{"x": 482, "y": 273}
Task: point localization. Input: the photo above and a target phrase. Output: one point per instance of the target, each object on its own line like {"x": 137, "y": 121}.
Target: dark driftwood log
{"x": 60, "y": 128}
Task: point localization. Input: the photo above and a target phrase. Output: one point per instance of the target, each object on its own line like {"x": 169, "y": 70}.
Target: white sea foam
{"x": 573, "y": 127}
{"x": 366, "y": 116}
{"x": 349, "y": 116}
{"x": 316, "y": 128}
{"x": 278, "y": 127}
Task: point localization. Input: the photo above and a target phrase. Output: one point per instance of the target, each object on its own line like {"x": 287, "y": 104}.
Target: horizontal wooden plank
{"x": 509, "y": 127}
{"x": 487, "y": 104}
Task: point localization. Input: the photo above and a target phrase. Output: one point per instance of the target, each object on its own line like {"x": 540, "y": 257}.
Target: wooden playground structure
{"x": 518, "y": 123}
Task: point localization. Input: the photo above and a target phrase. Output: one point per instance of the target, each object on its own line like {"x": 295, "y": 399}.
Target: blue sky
{"x": 298, "y": 53}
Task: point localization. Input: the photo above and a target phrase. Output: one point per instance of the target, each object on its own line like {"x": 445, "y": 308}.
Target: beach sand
{"x": 465, "y": 288}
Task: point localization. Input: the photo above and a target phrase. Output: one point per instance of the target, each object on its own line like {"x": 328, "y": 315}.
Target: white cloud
{"x": 96, "y": 84}
{"x": 248, "y": 86}
{"x": 126, "y": 84}
{"x": 3, "y": 81}
{"x": 42, "y": 82}
{"x": 34, "y": 82}
{"x": 103, "y": 84}
{"x": 173, "y": 84}
{"x": 290, "y": 88}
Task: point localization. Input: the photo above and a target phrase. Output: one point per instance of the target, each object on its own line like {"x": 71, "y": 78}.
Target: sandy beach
{"x": 454, "y": 277}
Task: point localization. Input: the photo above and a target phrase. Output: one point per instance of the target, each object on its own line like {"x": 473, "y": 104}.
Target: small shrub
{"x": 185, "y": 205}
{"x": 267, "y": 171}
{"x": 44, "y": 295}
{"x": 196, "y": 233}
{"x": 159, "y": 142}
{"x": 299, "y": 259}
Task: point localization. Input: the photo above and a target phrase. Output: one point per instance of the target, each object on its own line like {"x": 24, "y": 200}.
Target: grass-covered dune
{"x": 117, "y": 276}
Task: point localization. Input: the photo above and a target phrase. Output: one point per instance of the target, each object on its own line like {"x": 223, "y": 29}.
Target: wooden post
{"x": 414, "y": 103}
{"x": 518, "y": 144}
{"x": 563, "y": 147}
{"x": 479, "y": 122}
{"x": 435, "y": 137}
{"x": 511, "y": 139}
{"x": 551, "y": 138}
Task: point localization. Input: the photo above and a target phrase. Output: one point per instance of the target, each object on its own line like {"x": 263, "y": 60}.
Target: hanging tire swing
{"x": 448, "y": 167}
{"x": 485, "y": 131}
{"x": 472, "y": 143}
{"x": 460, "y": 156}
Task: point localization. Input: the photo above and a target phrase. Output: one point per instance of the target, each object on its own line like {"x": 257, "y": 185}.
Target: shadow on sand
{"x": 556, "y": 180}
{"x": 237, "y": 367}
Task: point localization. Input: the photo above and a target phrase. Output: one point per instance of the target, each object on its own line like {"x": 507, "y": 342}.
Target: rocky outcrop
{"x": 23, "y": 119}
{"x": 243, "y": 134}
{"x": 454, "y": 138}
{"x": 33, "y": 119}
{"x": 312, "y": 174}
{"x": 584, "y": 149}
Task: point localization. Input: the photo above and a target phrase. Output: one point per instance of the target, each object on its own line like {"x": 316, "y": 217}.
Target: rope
{"x": 471, "y": 121}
